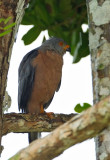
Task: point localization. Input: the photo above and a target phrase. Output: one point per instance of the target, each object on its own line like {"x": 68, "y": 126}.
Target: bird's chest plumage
{"x": 48, "y": 71}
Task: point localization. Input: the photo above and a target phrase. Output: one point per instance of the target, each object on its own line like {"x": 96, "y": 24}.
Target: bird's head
{"x": 56, "y": 44}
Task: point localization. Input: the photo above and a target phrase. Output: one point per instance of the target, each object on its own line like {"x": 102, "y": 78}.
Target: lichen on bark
{"x": 99, "y": 43}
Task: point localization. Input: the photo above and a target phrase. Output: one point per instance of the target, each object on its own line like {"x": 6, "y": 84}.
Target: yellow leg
{"x": 42, "y": 109}
{"x": 49, "y": 114}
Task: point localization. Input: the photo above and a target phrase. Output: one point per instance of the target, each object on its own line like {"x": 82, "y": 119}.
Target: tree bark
{"x": 77, "y": 129}
{"x": 99, "y": 42}
{"x": 24, "y": 123}
{"x": 15, "y": 10}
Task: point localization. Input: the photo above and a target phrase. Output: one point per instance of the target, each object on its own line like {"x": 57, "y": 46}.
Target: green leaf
{"x": 9, "y": 26}
{"x": 78, "y": 108}
{"x": 74, "y": 40}
{"x": 42, "y": 12}
{"x": 6, "y": 29}
{"x": 7, "y": 20}
{"x": 51, "y": 7}
{"x": 65, "y": 7}
{"x": 31, "y": 35}
{"x": 2, "y": 20}
{"x": 82, "y": 48}
{"x": 4, "y": 33}
{"x": 29, "y": 20}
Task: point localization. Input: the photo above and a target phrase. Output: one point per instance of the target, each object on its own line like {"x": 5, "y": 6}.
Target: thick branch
{"x": 18, "y": 123}
{"x": 79, "y": 128}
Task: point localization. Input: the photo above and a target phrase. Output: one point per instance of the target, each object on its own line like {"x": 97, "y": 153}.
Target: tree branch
{"x": 81, "y": 127}
{"x": 18, "y": 123}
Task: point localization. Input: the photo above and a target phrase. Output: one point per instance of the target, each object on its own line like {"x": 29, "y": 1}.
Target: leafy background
{"x": 62, "y": 18}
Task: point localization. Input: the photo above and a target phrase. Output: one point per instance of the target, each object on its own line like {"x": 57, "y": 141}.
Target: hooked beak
{"x": 68, "y": 49}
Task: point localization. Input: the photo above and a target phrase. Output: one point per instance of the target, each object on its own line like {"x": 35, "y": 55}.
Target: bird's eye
{"x": 61, "y": 43}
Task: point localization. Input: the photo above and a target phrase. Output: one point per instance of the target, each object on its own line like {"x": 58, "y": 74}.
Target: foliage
{"x": 62, "y": 18}
{"x": 78, "y": 108}
{"x": 7, "y": 27}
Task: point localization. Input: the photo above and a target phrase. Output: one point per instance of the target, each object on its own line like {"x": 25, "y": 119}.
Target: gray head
{"x": 57, "y": 45}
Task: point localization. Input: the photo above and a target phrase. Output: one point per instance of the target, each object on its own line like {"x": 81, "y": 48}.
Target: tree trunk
{"x": 15, "y": 10}
{"x": 99, "y": 43}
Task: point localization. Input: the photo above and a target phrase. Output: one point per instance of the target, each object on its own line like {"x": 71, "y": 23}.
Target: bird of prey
{"x": 39, "y": 77}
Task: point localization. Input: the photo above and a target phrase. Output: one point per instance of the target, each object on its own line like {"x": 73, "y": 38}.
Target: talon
{"x": 50, "y": 114}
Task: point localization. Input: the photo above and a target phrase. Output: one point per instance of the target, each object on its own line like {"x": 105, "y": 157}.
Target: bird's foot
{"x": 50, "y": 114}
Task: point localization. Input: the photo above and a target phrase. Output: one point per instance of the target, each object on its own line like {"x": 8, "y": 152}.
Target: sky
{"x": 76, "y": 87}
